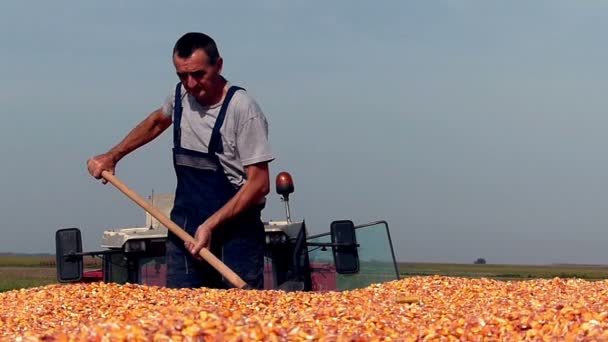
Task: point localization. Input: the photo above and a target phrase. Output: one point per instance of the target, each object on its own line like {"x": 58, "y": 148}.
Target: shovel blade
{"x": 292, "y": 286}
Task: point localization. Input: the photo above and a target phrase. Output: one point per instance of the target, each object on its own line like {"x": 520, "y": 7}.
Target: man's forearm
{"x": 256, "y": 187}
{"x": 144, "y": 132}
{"x": 244, "y": 199}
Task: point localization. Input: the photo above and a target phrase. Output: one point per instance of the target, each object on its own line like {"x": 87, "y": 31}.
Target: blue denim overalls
{"x": 202, "y": 189}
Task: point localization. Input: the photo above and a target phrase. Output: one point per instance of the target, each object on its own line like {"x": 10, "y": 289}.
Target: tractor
{"x": 348, "y": 256}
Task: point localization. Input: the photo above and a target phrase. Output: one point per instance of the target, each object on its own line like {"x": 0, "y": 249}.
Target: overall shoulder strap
{"x": 177, "y": 115}
{"x": 214, "y": 142}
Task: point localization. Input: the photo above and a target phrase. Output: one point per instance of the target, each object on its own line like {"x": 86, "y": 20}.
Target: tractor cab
{"x": 347, "y": 256}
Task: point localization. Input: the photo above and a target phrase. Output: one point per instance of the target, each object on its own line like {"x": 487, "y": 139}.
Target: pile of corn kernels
{"x": 432, "y": 308}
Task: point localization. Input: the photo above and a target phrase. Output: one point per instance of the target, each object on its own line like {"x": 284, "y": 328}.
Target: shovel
{"x": 216, "y": 263}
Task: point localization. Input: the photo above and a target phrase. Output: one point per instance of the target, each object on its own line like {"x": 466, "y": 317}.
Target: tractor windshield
{"x": 376, "y": 257}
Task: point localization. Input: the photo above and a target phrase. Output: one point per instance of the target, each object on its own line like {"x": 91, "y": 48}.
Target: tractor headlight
{"x": 135, "y": 246}
{"x": 276, "y": 238}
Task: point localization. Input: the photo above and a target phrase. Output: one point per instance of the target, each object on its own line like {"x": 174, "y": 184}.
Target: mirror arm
{"x": 74, "y": 255}
{"x": 332, "y": 244}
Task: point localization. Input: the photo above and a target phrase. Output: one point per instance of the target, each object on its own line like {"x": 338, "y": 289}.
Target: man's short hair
{"x": 192, "y": 41}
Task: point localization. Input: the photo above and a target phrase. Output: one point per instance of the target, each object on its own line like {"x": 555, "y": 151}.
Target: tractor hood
{"x": 153, "y": 229}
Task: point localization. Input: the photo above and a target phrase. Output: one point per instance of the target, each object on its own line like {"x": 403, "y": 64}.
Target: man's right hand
{"x": 100, "y": 163}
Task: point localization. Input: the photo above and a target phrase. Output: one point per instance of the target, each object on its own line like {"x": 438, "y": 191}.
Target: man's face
{"x": 200, "y": 78}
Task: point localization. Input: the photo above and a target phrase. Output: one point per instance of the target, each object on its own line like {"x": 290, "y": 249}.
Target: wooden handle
{"x": 224, "y": 270}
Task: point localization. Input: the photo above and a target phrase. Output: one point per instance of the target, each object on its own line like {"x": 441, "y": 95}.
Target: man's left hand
{"x": 202, "y": 239}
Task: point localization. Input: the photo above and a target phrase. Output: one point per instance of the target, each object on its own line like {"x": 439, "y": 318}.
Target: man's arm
{"x": 255, "y": 188}
{"x": 150, "y": 128}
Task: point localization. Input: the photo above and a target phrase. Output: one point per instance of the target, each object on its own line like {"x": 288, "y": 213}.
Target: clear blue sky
{"x": 475, "y": 128}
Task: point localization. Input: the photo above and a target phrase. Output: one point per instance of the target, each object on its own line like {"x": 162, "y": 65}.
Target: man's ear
{"x": 219, "y": 64}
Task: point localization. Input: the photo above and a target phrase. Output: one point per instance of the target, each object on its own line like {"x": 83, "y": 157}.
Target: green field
{"x": 23, "y": 271}
{"x": 12, "y": 278}
{"x": 500, "y": 271}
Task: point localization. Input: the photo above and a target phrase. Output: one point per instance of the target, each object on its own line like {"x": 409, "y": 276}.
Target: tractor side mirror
{"x": 68, "y": 245}
{"x": 345, "y": 253}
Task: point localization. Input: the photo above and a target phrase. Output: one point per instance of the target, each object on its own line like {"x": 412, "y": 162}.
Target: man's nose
{"x": 190, "y": 81}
